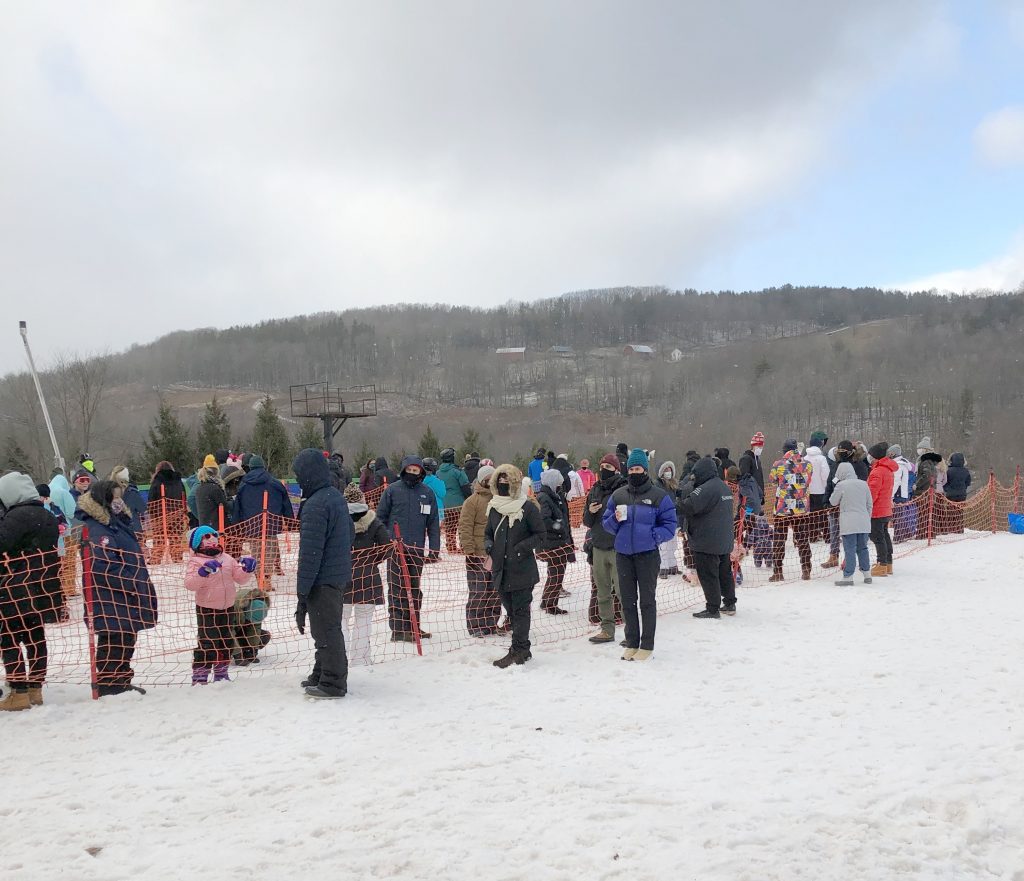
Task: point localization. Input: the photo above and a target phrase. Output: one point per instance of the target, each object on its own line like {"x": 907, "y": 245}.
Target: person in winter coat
{"x": 60, "y": 495}
{"x": 722, "y": 454}
{"x": 708, "y": 508}
{"x": 249, "y": 503}
{"x": 751, "y": 483}
{"x": 642, "y": 517}
{"x": 817, "y": 489}
{"x": 561, "y": 464}
{"x": 692, "y": 458}
{"x": 411, "y": 506}
{"x": 587, "y": 477}
{"x": 851, "y": 499}
{"x": 81, "y": 480}
{"x": 324, "y": 572}
{"x": 904, "y": 480}
{"x": 556, "y": 549}
{"x": 538, "y": 466}
{"x": 370, "y": 547}
{"x": 340, "y": 475}
{"x": 576, "y": 489}
{"x": 211, "y": 497}
{"x": 880, "y": 482}
{"x": 124, "y": 599}
{"x": 925, "y": 453}
{"x": 30, "y": 591}
{"x": 457, "y": 489}
{"x": 383, "y": 475}
{"x": 130, "y": 494}
{"x": 431, "y": 479}
{"x": 471, "y": 465}
{"x": 168, "y": 519}
{"x": 856, "y": 456}
{"x": 43, "y": 490}
{"x": 248, "y": 614}
{"x": 622, "y": 454}
{"x": 214, "y": 577}
{"x": 604, "y": 568}
{"x": 667, "y": 551}
{"x": 791, "y": 476}
{"x": 367, "y": 478}
{"x": 514, "y": 531}
{"x": 958, "y": 479}
{"x": 483, "y": 605}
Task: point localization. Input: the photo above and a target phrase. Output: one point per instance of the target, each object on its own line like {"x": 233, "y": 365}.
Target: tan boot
{"x": 642, "y": 654}
{"x": 35, "y": 696}
{"x": 830, "y": 563}
{"x": 879, "y": 571}
{"x": 888, "y": 568}
{"x": 15, "y": 700}
{"x": 629, "y": 654}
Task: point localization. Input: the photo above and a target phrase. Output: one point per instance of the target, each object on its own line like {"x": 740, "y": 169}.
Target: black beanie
{"x": 879, "y": 450}
{"x": 43, "y": 489}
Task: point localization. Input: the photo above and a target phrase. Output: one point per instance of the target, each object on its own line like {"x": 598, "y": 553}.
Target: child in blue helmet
{"x": 214, "y": 577}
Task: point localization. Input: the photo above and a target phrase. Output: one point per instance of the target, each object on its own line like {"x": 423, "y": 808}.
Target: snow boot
{"x": 888, "y": 568}
{"x": 629, "y": 654}
{"x": 315, "y": 691}
{"x": 622, "y": 644}
{"x": 845, "y": 582}
{"x": 220, "y": 673}
{"x": 776, "y": 576}
{"x": 867, "y": 577}
{"x": 805, "y": 575}
{"x": 708, "y": 613}
{"x": 16, "y": 701}
{"x": 642, "y": 654}
{"x": 879, "y": 571}
{"x": 662, "y": 574}
{"x": 506, "y": 661}
{"x": 728, "y": 609}
{"x": 200, "y": 675}
{"x": 402, "y": 636}
{"x": 522, "y": 657}
{"x": 831, "y": 562}
{"x": 35, "y": 695}
{"x": 555, "y": 610}
{"x": 309, "y": 682}
{"x": 601, "y": 637}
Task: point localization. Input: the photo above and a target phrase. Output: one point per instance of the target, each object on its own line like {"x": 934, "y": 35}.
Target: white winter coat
{"x": 819, "y": 471}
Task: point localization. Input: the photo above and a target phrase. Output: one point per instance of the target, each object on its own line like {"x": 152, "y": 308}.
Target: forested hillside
{"x": 862, "y": 363}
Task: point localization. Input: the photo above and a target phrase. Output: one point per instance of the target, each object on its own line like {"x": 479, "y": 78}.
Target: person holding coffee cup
{"x": 641, "y": 516}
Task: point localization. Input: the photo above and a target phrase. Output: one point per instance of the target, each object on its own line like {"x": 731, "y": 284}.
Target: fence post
{"x": 1016, "y": 492}
{"x": 931, "y": 513}
{"x": 87, "y": 599}
{"x": 263, "y": 542}
{"x": 166, "y": 546}
{"x": 992, "y": 497}
{"x": 220, "y": 519}
{"x": 407, "y": 578}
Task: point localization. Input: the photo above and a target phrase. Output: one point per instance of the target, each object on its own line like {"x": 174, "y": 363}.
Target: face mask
{"x": 117, "y": 506}
{"x": 503, "y": 489}
{"x": 607, "y": 476}
{"x": 668, "y": 475}
{"x": 757, "y": 451}
{"x": 360, "y": 515}
{"x": 637, "y": 480}
{"x": 208, "y": 551}
{"x": 411, "y": 479}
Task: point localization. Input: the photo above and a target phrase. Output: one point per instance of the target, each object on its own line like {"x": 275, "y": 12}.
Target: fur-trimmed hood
{"x": 88, "y": 505}
{"x": 515, "y": 480}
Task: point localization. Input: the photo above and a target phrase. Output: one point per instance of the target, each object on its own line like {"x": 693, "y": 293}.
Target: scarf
{"x": 508, "y": 507}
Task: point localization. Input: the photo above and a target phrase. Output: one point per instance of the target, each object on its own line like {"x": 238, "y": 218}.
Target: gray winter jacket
{"x": 853, "y": 498}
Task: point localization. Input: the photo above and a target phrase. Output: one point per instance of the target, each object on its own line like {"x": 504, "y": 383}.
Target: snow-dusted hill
{"x": 823, "y": 733}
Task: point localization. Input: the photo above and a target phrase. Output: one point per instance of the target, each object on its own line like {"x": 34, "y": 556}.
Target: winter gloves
{"x": 248, "y": 563}
{"x": 208, "y": 568}
{"x": 300, "y": 616}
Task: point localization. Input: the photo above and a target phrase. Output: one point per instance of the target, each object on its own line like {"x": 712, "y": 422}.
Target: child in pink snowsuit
{"x": 213, "y": 577}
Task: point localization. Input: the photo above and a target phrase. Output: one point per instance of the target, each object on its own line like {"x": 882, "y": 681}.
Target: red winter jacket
{"x": 880, "y": 481}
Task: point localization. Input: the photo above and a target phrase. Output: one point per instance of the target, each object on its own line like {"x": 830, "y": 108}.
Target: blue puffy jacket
{"x": 249, "y": 501}
{"x": 650, "y": 521}
{"x": 405, "y": 505}
{"x": 124, "y": 599}
{"x": 325, "y": 527}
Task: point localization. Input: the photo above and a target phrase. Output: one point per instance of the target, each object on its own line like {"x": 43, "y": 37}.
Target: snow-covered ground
{"x": 823, "y": 733}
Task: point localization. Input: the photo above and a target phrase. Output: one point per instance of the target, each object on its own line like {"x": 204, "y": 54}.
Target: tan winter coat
{"x": 473, "y": 519}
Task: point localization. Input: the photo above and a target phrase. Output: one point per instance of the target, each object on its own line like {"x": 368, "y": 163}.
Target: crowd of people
{"x": 506, "y": 522}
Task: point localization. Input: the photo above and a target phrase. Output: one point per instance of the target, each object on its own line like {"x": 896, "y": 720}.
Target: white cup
{"x": 620, "y": 512}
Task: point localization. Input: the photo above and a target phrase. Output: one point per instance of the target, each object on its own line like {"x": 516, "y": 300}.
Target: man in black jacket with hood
{"x": 709, "y": 524}
{"x": 325, "y": 569}
{"x": 603, "y": 568}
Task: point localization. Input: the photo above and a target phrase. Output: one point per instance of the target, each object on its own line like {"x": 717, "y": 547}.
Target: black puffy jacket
{"x": 599, "y": 493}
{"x": 325, "y": 527}
{"x": 30, "y": 577}
{"x": 513, "y": 561}
{"x": 555, "y": 514}
{"x": 708, "y": 509}
{"x": 958, "y": 478}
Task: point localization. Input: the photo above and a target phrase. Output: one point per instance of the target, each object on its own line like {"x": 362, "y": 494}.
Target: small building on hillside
{"x": 634, "y": 350}
{"x": 562, "y": 351}
{"x": 512, "y": 354}
{"x": 675, "y": 355}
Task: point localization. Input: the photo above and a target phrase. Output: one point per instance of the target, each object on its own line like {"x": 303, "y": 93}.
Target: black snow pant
{"x": 399, "y": 612}
{"x": 114, "y": 651}
{"x": 483, "y": 606}
{"x": 28, "y": 671}
{"x": 882, "y": 541}
{"x": 638, "y": 583}
{"x": 213, "y": 637}
{"x": 330, "y": 667}
{"x": 715, "y": 574}
{"x": 517, "y": 608}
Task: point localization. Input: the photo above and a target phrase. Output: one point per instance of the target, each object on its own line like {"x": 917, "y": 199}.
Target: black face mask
{"x": 210, "y": 552}
{"x": 608, "y": 476}
{"x": 637, "y": 480}
{"x": 411, "y": 479}
{"x": 360, "y": 515}
{"x": 503, "y": 489}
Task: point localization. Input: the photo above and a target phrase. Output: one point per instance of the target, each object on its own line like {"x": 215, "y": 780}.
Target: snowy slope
{"x": 823, "y": 733}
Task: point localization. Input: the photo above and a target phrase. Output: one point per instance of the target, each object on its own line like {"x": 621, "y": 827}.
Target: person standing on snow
{"x": 880, "y": 482}
{"x": 324, "y": 571}
{"x": 556, "y": 550}
{"x": 412, "y": 507}
{"x": 751, "y": 481}
{"x": 708, "y": 508}
{"x": 587, "y": 477}
{"x": 604, "y": 568}
{"x": 641, "y": 516}
{"x": 852, "y": 501}
{"x": 537, "y": 467}
{"x": 791, "y": 476}
{"x": 457, "y": 490}
{"x": 370, "y": 547}
{"x": 436, "y": 484}
{"x": 483, "y": 605}
{"x": 249, "y": 503}
{"x": 471, "y": 466}
{"x": 667, "y": 551}
{"x": 817, "y": 490}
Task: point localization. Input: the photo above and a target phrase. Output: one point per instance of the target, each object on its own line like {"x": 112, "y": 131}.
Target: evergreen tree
{"x": 470, "y": 444}
{"x": 214, "y": 430}
{"x": 309, "y": 436}
{"x": 15, "y": 457}
{"x": 270, "y": 439}
{"x": 364, "y": 455}
{"x": 169, "y": 441}
{"x": 429, "y": 445}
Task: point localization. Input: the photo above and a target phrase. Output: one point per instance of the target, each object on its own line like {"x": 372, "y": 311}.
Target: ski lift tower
{"x": 332, "y": 406}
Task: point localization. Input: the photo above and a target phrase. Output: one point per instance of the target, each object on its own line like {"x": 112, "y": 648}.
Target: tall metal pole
{"x": 58, "y": 459}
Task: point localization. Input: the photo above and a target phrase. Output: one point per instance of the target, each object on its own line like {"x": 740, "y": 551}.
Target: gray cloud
{"x": 173, "y": 166}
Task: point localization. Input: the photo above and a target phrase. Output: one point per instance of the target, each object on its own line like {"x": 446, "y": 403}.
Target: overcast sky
{"x": 176, "y": 165}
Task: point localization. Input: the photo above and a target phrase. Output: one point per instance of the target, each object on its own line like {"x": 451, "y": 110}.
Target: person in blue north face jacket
{"x": 641, "y": 516}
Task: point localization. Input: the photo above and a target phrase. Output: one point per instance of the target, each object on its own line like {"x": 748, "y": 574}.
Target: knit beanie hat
{"x": 209, "y": 461}
{"x": 195, "y": 536}
{"x": 552, "y": 479}
{"x": 484, "y": 473}
{"x": 789, "y": 445}
{"x": 256, "y": 462}
{"x": 638, "y": 457}
{"x": 925, "y": 443}
{"x": 621, "y": 449}
{"x": 757, "y": 440}
{"x": 610, "y": 459}
{"x": 120, "y": 475}
{"x": 353, "y": 495}
{"x": 818, "y": 439}
{"x": 43, "y": 489}
{"x": 879, "y": 450}
{"x": 894, "y": 451}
